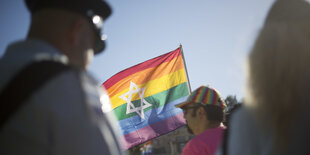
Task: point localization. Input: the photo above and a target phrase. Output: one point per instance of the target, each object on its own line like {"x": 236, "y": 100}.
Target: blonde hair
{"x": 279, "y": 71}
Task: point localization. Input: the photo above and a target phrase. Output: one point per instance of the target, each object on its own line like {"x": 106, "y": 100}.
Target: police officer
{"x": 63, "y": 115}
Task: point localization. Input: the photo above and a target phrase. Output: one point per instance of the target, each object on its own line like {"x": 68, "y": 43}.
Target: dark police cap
{"x": 87, "y": 8}
{"x": 99, "y": 7}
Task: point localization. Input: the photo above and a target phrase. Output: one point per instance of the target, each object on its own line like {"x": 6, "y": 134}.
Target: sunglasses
{"x": 185, "y": 109}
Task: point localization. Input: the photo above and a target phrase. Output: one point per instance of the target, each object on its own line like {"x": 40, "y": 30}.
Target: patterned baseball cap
{"x": 204, "y": 95}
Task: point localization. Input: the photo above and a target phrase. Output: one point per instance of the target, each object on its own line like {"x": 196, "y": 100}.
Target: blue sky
{"x": 216, "y": 36}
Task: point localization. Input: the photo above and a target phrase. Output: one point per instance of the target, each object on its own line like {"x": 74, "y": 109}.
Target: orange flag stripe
{"x": 152, "y": 87}
{"x": 157, "y": 72}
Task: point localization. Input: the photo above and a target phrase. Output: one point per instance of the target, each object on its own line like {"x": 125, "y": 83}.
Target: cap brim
{"x": 181, "y": 104}
{"x": 100, "y": 45}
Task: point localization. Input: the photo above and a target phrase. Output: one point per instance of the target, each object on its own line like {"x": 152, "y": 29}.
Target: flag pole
{"x": 188, "y": 83}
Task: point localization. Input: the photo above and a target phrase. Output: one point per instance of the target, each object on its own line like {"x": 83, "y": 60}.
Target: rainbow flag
{"x": 143, "y": 97}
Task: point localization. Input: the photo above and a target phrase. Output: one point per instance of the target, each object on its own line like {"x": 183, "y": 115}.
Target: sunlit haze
{"x": 216, "y": 36}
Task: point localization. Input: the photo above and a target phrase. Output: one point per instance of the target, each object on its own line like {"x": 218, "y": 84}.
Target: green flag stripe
{"x": 157, "y": 100}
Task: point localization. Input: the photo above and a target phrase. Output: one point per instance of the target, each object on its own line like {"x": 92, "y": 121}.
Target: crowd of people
{"x": 58, "y": 109}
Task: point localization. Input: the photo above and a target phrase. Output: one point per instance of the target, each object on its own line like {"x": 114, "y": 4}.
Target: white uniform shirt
{"x": 63, "y": 117}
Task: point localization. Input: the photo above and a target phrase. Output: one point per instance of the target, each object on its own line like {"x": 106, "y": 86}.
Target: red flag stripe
{"x": 142, "y": 66}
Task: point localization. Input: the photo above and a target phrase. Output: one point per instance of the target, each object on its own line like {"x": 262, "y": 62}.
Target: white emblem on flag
{"x": 130, "y": 106}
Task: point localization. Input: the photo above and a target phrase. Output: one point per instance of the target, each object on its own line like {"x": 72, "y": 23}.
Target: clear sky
{"x": 216, "y": 36}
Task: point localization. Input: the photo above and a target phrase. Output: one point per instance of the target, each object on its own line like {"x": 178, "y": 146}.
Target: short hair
{"x": 213, "y": 113}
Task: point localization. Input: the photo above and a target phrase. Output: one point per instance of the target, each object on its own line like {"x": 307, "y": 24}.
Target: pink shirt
{"x": 206, "y": 143}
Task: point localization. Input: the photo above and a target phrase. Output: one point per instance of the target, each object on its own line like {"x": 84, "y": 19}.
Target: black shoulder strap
{"x": 225, "y": 142}
{"x": 24, "y": 84}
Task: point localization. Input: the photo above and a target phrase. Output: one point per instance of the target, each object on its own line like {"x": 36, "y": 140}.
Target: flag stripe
{"x": 144, "y": 96}
{"x": 153, "y": 131}
{"x": 142, "y": 66}
{"x": 154, "y": 73}
{"x": 153, "y": 87}
{"x": 134, "y": 123}
{"x": 158, "y": 100}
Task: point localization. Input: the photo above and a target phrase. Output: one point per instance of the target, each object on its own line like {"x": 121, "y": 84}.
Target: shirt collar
{"x": 37, "y": 49}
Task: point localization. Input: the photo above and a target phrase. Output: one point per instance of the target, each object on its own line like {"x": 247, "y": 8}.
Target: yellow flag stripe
{"x": 152, "y": 87}
{"x": 147, "y": 75}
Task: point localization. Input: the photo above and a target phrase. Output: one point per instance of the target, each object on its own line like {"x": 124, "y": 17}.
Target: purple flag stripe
{"x": 152, "y": 131}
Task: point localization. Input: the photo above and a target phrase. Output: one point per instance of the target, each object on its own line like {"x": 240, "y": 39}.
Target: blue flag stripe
{"x": 151, "y": 116}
